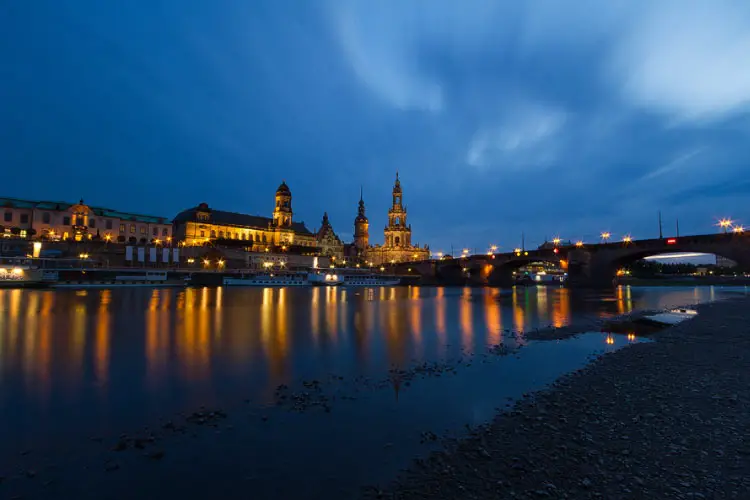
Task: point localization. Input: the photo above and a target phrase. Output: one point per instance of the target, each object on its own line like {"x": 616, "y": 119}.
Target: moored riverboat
{"x": 324, "y": 278}
{"x": 267, "y": 279}
{"x": 353, "y": 280}
{"x": 105, "y": 278}
{"x": 20, "y": 276}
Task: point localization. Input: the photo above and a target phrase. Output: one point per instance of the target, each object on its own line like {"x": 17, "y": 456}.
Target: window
{"x": 203, "y": 234}
{"x": 66, "y": 221}
{"x": 156, "y": 231}
{"x": 92, "y": 223}
{"x": 122, "y": 228}
{"x": 213, "y": 234}
{"x": 132, "y": 229}
{"x": 143, "y": 230}
{"x": 108, "y": 224}
{"x": 165, "y": 232}
{"x": 46, "y": 217}
{"x": 24, "y": 218}
{"x": 221, "y": 234}
{"x": 23, "y": 232}
{"x": 8, "y": 216}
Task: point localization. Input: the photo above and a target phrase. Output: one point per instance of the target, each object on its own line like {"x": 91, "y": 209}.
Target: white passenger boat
{"x": 324, "y": 278}
{"x": 267, "y": 279}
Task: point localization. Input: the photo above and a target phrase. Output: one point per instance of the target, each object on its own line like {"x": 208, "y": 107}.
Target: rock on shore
{"x": 666, "y": 419}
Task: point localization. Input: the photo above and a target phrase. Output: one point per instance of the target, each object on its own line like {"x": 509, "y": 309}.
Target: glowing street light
{"x": 725, "y": 224}
{"x": 605, "y": 236}
{"x": 627, "y": 239}
{"x": 556, "y": 241}
{"x": 738, "y": 229}
{"x": 493, "y": 248}
{"x": 579, "y": 243}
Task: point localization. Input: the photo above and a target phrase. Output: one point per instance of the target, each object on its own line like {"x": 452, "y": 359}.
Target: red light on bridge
{"x": 671, "y": 241}
{"x": 556, "y": 250}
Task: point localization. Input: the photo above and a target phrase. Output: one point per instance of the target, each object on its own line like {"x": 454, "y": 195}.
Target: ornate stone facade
{"x": 202, "y": 224}
{"x": 397, "y": 246}
{"x": 329, "y": 245}
{"x": 61, "y": 221}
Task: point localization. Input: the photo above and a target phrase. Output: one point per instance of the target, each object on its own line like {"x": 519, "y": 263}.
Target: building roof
{"x": 283, "y": 188}
{"x": 64, "y": 205}
{"x": 223, "y": 218}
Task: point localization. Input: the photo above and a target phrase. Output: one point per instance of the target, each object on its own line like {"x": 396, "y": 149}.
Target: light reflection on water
{"x": 101, "y": 362}
{"x": 71, "y": 339}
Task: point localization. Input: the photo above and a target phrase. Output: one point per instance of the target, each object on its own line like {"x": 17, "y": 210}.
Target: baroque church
{"x": 397, "y": 245}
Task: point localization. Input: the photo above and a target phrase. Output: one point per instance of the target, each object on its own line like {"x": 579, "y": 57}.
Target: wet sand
{"x": 666, "y": 419}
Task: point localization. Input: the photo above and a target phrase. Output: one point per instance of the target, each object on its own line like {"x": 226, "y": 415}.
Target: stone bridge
{"x": 590, "y": 265}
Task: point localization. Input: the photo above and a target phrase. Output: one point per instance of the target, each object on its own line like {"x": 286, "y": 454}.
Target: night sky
{"x": 549, "y": 117}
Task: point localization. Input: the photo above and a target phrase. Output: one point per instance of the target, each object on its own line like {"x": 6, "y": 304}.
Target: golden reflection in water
{"x": 519, "y": 323}
{"x": 440, "y": 319}
{"x": 331, "y": 316}
{"x": 396, "y": 333}
{"x": 542, "y": 306}
{"x": 15, "y": 318}
{"x": 217, "y": 313}
{"x": 464, "y": 319}
{"x": 43, "y": 360}
{"x": 103, "y": 325}
{"x": 275, "y": 335}
{"x": 561, "y": 308}
{"x": 78, "y": 329}
{"x": 493, "y": 316}
{"x": 156, "y": 355}
{"x": 624, "y": 300}
{"x": 192, "y": 342}
{"x": 315, "y": 313}
{"x": 30, "y": 334}
{"x": 382, "y": 293}
{"x": 415, "y": 320}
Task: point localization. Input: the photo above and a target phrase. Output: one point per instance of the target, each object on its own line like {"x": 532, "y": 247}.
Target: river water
{"x": 80, "y": 369}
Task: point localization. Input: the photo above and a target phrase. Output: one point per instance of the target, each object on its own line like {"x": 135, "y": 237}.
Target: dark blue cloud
{"x": 502, "y": 118}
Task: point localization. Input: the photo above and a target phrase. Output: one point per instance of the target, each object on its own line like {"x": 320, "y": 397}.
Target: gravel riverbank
{"x": 666, "y": 419}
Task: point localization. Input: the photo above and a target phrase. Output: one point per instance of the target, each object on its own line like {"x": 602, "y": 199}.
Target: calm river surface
{"x": 78, "y": 369}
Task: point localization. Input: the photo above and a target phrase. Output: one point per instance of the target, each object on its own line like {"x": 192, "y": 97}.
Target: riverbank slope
{"x": 666, "y": 419}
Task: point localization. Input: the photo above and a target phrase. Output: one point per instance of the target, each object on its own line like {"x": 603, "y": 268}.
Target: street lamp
{"x": 605, "y": 236}
{"x": 556, "y": 241}
{"x": 725, "y": 224}
{"x": 738, "y": 229}
{"x": 579, "y": 243}
{"x": 627, "y": 239}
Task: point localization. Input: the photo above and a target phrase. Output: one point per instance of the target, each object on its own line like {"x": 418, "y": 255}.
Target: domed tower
{"x": 282, "y": 214}
{"x": 397, "y": 233}
{"x": 361, "y": 226}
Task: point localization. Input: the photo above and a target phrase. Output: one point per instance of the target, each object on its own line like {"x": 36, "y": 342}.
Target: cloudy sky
{"x": 547, "y": 117}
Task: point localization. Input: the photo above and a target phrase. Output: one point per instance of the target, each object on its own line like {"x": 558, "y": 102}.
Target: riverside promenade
{"x": 665, "y": 419}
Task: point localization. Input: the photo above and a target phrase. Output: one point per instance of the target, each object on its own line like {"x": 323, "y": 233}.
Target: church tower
{"x": 397, "y": 232}
{"x": 361, "y": 227}
{"x": 282, "y": 213}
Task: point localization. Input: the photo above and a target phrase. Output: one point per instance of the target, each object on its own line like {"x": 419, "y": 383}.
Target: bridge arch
{"x": 606, "y": 261}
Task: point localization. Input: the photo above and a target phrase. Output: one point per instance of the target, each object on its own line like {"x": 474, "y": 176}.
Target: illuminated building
{"x": 329, "y": 244}
{"x": 397, "y": 246}
{"x": 55, "y": 221}
{"x": 202, "y": 224}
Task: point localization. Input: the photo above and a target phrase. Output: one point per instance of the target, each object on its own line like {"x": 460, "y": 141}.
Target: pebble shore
{"x": 664, "y": 419}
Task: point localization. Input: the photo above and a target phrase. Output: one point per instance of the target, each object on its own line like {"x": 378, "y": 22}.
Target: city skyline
{"x": 563, "y": 122}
